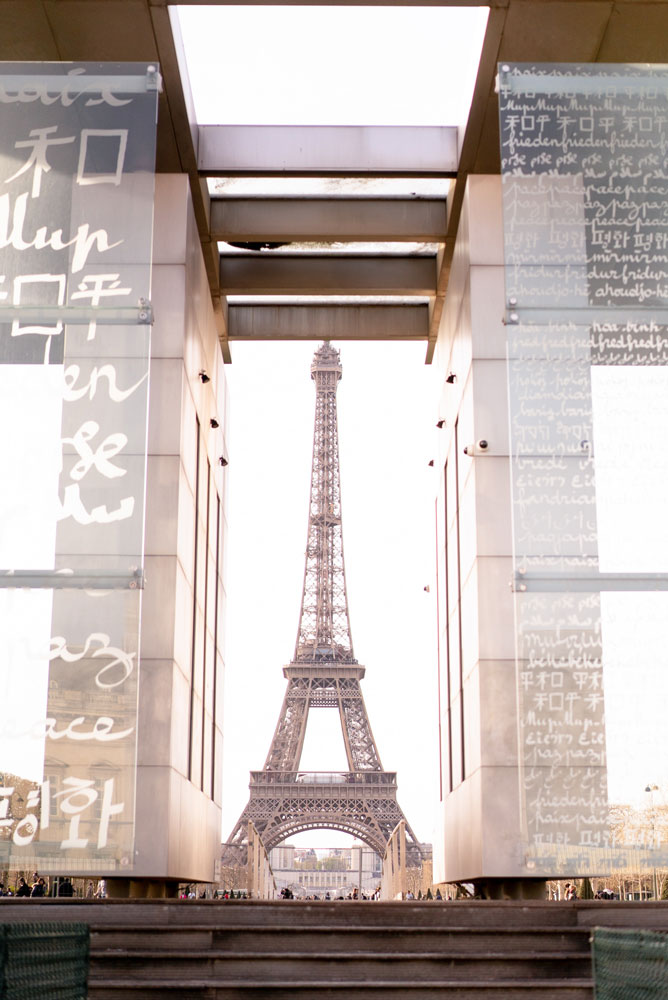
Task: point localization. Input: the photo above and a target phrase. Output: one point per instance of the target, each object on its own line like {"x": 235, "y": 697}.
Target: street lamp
{"x": 650, "y": 789}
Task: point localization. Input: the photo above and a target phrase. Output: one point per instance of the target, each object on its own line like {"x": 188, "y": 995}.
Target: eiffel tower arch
{"x": 324, "y": 673}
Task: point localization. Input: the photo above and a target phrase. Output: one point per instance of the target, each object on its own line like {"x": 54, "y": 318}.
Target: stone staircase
{"x": 322, "y": 951}
{"x": 243, "y": 950}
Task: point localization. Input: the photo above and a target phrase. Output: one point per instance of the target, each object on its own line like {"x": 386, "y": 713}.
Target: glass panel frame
{"x": 77, "y": 163}
{"x": 585, "y": 235}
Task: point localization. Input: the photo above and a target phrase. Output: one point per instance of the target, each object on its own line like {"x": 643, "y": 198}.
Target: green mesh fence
{"x": 630, "y": 965}
{"x": 46, "y": 961}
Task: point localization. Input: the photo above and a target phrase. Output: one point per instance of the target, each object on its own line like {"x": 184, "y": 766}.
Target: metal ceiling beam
{"x": 483, "y": 97}
{"x": 517, "y": 31}
{"x": 293, "y": 220}
{"x": 327, "y": 322}
{"x": 181, "y": 116}
{"x": 362, "y": 150}
{"x": 263, "y": 274}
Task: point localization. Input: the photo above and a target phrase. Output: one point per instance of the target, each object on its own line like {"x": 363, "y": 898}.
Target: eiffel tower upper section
{"x": 324, "y": 625}
{"x": 324, "y": 671}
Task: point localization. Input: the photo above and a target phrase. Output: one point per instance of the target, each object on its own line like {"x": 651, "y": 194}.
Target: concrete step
{"x": 404, "y": 967}
{"x": 473, "y": 914}
{"x": 314, "y": 954}
{"x": 287, "y": 913}
{"x": 250, "y": 989}
{"x": 255, "y": 950}
{"x": 322, "y": 937}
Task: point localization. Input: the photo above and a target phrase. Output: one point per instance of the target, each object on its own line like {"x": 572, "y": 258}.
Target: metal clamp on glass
{"x": 153, "y": 79}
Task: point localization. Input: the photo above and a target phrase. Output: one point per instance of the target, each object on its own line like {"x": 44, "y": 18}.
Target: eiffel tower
{"x": 323, "y": 674}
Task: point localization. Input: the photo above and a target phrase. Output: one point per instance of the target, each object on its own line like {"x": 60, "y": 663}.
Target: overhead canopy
{"x": 517, "y": 31}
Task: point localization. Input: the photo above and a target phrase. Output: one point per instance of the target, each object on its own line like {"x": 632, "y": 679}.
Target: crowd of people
{"x": 571, "y": 892}
{"x": 287, "y": 893}
{"x": 38, "y": 886}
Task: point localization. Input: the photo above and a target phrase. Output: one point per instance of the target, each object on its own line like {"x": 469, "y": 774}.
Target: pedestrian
{"x": 90, "y": 891}
{"x": 571, "y": 891}
{"x": 65, "y": 887}
{"x": 38, "y": 888}
{"x": 24, "y": 888}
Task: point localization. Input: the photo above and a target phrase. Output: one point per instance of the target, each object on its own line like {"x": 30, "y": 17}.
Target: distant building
{"x": 338, "y": 871}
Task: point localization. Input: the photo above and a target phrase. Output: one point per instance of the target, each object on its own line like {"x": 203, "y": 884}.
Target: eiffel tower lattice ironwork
{"x": 323, "y": 674}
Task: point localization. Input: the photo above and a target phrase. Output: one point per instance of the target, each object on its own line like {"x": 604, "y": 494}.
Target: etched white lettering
{"x": 108, "y": 372}
{"x": 118, "y": 657}
{"x": 109, "y": 448}
{"x": 55, "y": 93}
{"x": 114, "y": 177}
{"x": 107, "y": 811}
{"x": 12, "y": 222}
{"x": 40, "y": 143}
{"x": 102, "y": 730}
{"x": 98, "y": 292}
{"x": 76, "y": 797}
{"x": 73, "y": 506}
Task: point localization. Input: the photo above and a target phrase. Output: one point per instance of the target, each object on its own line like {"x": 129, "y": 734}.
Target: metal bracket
{"x": 586, "y": 582}
{"x": 72, "y": 579}
{"x": 153, "y": 78}
{"x": 145, "y": 314}
{"x": 581, "y": 315}
{"x": 139, "y": 315}
{"x": 75, "y": 82}
{"x": 532, "y": 84}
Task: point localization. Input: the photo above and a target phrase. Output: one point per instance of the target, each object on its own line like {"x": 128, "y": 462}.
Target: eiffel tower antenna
{"x": 323, "y": 674}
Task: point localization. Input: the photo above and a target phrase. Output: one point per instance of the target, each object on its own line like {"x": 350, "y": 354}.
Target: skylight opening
{"x": 285, "y": 65}
{"x": 336, "y": 249}
{"x": 329, "y": 187}
{"x": 327, "y": 300}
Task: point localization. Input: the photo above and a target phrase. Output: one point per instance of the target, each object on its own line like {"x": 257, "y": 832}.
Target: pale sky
{"x": 388, "y": 516}
{"x": 632, "y": 537}
{"x": 333, "y": 65}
